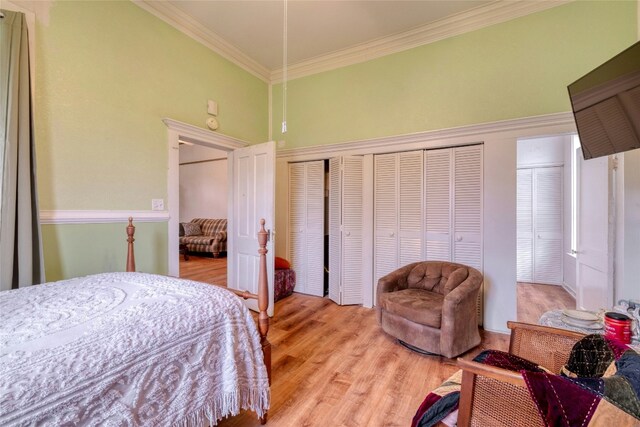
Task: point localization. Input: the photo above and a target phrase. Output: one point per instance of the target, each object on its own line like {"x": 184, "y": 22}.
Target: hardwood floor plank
{"x": 334, "y": 366}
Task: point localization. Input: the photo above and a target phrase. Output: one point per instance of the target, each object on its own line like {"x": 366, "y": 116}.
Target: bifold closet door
{"x": 524, "y": 231}
{"x": 547, "y": 225}
{"x": 438, "y": 204}
{"x": 398, "y": 208}
{"x": 306, "y": 225}
{"x": 345, "y": 229}
{"x": 467, "y": 206}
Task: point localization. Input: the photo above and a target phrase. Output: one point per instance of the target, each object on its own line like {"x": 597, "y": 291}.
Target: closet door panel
{"x": 335, "y": 233}
{"x": 315, "y": 227}
{"x": 410, "y": 207}
{"x": 437, "y": 219}
{"x": 351, "y": 263}
{"x": 297, "y": 224}
{"x": 524, "y": 230}
{"x": 467, "y": 206}
{"x": 385, "y": 215}
{"x": 548, "y": 225}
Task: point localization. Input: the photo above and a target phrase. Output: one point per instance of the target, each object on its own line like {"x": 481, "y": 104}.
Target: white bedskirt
{"x": 127, "y": 349}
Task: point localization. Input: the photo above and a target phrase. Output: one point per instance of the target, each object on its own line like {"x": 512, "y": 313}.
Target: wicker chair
{"x": 492, "y": 396}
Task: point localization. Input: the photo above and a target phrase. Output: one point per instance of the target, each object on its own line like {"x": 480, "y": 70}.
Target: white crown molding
{"x": 474, "y": 19}
{"x": 192, "y": 28}
{"x": 100, "y": 217}
{"x": 435, "y": 138}
{"x": 471, "y": 20}
{"x": 191, "y": 133}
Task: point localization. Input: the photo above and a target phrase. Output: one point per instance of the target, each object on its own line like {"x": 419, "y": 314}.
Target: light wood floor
{"x": 534, "y": 299}
{"x": 333, "y": 365}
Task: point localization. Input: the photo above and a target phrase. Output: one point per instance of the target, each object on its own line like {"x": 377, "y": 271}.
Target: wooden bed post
{"x": 263, "y": 303}
{"x": 131, "y": 259}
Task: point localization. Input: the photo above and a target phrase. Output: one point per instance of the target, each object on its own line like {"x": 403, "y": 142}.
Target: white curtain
{"x": 20, "y": 246}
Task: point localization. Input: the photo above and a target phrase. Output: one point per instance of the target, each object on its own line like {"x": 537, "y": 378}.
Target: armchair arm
{"x": 546, "y": 346}
{"x": 221, "y": 236}
{"x": 459, "y": 316}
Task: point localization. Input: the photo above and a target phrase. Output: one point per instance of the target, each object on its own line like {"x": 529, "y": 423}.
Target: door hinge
{"x": 614, "y": 163}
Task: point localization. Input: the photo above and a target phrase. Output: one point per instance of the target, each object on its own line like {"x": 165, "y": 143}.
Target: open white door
{"x": 594, "y": 258}
{"x": 252, "y": 174}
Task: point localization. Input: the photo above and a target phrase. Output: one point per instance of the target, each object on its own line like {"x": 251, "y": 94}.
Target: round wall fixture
{"x": 212, "y": 123}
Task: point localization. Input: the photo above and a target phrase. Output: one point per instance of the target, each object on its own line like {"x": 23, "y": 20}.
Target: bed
{"x": 132, "y": 349}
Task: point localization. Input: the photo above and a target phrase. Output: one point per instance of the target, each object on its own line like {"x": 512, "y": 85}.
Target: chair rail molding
{"x": 100, "y": 216}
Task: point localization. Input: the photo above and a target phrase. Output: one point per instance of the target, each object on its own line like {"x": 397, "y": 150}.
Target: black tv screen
{"x": 606, "y": 105}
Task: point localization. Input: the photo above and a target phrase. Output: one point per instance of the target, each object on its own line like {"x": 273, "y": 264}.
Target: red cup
{"x": 617, "y": 326}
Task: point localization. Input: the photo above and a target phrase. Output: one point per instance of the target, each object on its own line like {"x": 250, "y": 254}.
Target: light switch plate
{"x": 157, "y": 204}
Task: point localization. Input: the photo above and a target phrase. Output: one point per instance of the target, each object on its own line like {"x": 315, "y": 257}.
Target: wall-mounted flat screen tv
{"x": 606, "y": 105}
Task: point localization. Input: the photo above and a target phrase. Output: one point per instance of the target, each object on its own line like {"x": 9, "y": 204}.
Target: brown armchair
{"x": 431, "y": 305}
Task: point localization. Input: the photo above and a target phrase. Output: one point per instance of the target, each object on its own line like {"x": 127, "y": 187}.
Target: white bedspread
{"x": 127, "y": 349}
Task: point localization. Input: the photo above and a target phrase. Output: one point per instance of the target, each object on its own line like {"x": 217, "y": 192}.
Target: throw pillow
{"x": 191, "y": 229}
{"x": 281, "y": 264}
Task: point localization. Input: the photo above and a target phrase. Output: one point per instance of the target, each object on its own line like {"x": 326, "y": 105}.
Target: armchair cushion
{"x": 191, "y": 229}
{"x": 417, "y": 305}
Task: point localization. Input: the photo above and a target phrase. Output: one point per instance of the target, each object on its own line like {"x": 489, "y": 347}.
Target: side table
{"x": 553, "y": 319}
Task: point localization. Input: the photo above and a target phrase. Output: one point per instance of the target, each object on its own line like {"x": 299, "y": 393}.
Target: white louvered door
{"x": 438, "y": 205}
{"x": 335, "y": 231}
{"x": 547, "y": 218}
{"x": 297, "y": 224}
{"x": 306, "y": 225}
{"x": 524, "y": 230}
{"x": 540, "y": 225}
{"x": 385, "y": 215}
{"x": 467, "y": 212}
{"x": 351, "y": 263}
{"x": 410, "y": 207}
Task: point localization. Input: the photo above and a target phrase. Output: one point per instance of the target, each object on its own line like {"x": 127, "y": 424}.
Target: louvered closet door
{"x": 438, "y": 205}
{"x": 351, "y": 267}
{"x": 524, "y": 231}
{"x": 467, "y": 212}
{"x": 315, "y": 227}
{"x": 547, "y": 218}
{"x": 335, "y": 233}
{"x": 297, "y": 224}
{"x": 386, "y": 214}
{"x": 410, "y": 208}
{"x": 467, "y": 206}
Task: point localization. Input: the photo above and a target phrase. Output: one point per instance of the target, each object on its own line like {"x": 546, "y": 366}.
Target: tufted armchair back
{"x": 434, "y": 276}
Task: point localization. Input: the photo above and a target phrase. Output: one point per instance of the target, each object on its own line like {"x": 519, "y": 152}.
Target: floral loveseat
{"x": 204, "y": 235}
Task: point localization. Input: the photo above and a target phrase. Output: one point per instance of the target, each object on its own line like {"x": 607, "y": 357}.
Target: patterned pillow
{"x": 191, "y": 229}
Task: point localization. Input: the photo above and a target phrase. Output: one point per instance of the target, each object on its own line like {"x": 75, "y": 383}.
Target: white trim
{"x": 461, "y": 23}
{"x": 569, "y": 290}
{"x": 471, "y": 20}
{"x": 541, "y": 165}
{"x": 192, "y": 28}
{"x": 191, "y": 134}
{"x": 100, "y": 217}
{"x": 431, "y": 139}
{"x": 177, "y": 131}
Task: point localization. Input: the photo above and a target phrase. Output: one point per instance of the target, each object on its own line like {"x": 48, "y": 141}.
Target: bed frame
{"x": 262, "y": 297}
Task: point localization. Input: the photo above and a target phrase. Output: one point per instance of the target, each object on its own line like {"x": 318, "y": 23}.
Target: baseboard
{"x": 569, "y": 290}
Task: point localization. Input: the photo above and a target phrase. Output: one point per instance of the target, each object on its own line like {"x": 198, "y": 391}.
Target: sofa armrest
{"x": 221, "y": 236}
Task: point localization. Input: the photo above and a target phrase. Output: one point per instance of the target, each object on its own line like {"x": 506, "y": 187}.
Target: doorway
{"x": 546, "y": 266}
{"x": 203, "y": 186}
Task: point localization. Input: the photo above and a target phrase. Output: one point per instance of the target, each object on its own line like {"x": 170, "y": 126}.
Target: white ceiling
{"x": 316, "y": 28}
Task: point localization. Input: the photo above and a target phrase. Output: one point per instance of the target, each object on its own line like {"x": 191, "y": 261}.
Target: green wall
{"x": 107, "y": 72}
{"x": 519, "y": 68}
